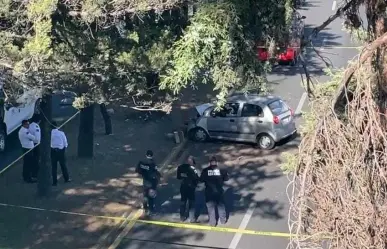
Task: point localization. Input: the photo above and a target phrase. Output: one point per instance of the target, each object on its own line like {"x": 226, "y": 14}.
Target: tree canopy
{"x": 114, "y": 50}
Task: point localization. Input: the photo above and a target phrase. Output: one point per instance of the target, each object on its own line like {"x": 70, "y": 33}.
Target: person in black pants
{"x": 34, "y": 129}
{"x": 214, "y": 179}
{"x": 190, "y": 179}
{"x": 58, "y": 154}
{"x": 151, "y": 177}
{"x": 27, "y": 143}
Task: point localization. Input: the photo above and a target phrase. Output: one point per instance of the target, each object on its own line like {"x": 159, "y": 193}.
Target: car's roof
{"x": 252, "y": 98}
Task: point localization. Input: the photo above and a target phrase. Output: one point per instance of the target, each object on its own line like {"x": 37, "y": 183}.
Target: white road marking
{"x": 301, "y": 103}
{"x": 323, "y": 44}
{"x": 334, "y": 4}
{"x": 245, "y": 221}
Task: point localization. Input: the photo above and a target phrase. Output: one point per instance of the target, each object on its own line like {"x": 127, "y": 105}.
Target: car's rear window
{"x": 278, "y": 107}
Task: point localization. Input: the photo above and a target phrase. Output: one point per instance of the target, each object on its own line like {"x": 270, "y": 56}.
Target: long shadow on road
{"x": 251, "y": 171}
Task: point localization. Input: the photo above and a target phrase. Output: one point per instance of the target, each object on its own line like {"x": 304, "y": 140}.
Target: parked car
{"x": 263, "y": 120}
{"x": 12, "y": 113}
{"x": 288, "y": 50}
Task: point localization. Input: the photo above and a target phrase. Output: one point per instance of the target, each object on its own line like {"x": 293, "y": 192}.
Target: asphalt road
{"x": 256, "y": 193}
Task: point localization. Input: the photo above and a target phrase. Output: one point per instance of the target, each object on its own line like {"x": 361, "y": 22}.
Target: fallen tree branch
{"x": 366, "y": 54}
{"x": 309, "y": 81}
{"x": 340, "y": 11}
{"x": 308, "y": 41}
{"x": 146, "y": 108}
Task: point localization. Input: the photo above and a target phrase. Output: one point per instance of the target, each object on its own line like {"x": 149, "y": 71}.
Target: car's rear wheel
{"x": 265, "y": 142}
{"x": 2, "y": 139}
{"x": 199, "y": 135}
{"x": 294, "y": 62}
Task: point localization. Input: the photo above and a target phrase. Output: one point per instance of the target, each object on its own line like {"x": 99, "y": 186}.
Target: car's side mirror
{"x": 303, "y": 17}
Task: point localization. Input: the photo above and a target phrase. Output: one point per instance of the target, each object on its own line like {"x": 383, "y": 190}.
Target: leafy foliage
{"x": 109, "y": 51}
{"x": 219, "y": 46}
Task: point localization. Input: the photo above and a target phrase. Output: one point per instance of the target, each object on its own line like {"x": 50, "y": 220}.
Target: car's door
{"x": 252, "y": 122}
{"x": 223, "y": 124}
{"x": 62, "y": 105}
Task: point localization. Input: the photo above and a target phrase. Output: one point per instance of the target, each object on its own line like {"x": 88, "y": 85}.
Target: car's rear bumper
{"x": 286, "y": 135}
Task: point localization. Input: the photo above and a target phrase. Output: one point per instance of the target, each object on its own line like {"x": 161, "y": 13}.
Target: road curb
{"x": 131, "y": 220}
{"x": 127, "y": 226}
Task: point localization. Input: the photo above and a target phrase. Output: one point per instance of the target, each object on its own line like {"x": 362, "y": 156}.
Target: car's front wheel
{"x": 2, "y": 140}
{"x": 265, "y": 142}
{"x": 199, "y": 135}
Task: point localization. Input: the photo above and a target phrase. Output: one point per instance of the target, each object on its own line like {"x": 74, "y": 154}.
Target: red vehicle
{"x": 288, "y": 52}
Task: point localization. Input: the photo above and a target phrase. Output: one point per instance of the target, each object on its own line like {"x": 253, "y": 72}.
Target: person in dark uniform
{"x": 151, "y": 176}
{"x": 190, "y": 179}
{"x": 214, "y": 179}
{"x": 35, "y": 131}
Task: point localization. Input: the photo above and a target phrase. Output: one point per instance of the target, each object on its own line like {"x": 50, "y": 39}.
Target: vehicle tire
{"x": 3, "y": 137}
{"x": 199, "y": 135}
{"x": 294, "y": 62}
{"x": 265, "y": 141}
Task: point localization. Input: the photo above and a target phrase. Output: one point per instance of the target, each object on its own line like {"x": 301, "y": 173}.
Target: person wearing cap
{"x": 34, "y": 129}
{"x": 214, "y": 179}
{"x": 189, "y": 177}
{"x": 27, "y": 143}
{"x": 58, "y": 154}
{"x": 150, "y": 174}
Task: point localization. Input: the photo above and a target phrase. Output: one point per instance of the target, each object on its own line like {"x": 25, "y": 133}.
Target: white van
{"x": 12, "y": 113}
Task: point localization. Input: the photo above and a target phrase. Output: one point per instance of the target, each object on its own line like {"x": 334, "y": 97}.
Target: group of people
{"x": 30, "y": 137}
{"x": 212, "y": 176}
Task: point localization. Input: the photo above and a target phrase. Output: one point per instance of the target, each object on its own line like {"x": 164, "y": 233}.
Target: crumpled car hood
{"x": 201, "y": 108}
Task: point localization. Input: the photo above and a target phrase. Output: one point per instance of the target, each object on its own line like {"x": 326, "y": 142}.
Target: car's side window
{"x": 229, "y": 110}
{"x": 250, "y": 110}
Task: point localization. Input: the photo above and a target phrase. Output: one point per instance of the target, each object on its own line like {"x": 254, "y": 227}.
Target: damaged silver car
{"x": 263, "y": 120}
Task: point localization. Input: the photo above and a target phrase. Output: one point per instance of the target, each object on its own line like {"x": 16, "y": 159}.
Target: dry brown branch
{"x": 308, "y": 41}
{"x": 339, "y": 193}
{"x": 367, "y": 53}
{"x": 339, "y": 12}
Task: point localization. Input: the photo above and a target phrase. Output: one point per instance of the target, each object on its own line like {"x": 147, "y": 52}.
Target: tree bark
{"x": 106, "y": 119}
{"x": 44, "y": 176}
{"x": 86, "y": 132}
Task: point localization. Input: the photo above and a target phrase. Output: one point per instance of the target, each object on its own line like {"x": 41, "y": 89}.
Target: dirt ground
{"x": 104, "y": 185}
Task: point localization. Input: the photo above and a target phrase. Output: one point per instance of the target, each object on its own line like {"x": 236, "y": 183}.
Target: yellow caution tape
{"x": 214, "y": 229}
{"x": 318, "y": 47}
{"x": 158, "y": 223}
{"x": 20, "y": 157}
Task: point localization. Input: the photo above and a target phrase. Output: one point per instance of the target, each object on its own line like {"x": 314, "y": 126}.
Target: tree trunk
{"x": 86, "y": 132}
{"x": 44, "y": 176}
{"x": 106, "y": 119}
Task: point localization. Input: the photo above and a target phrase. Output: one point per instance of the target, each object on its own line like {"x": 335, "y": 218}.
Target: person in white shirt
{"x": 27, "y": 143}
{"x": 58, "y": 154}
{"x": 36, "y": 132}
